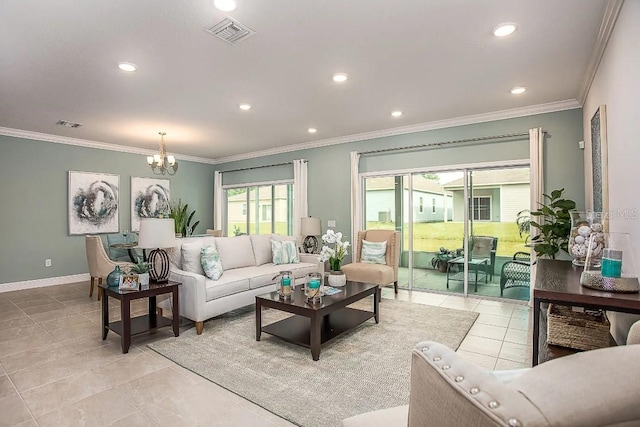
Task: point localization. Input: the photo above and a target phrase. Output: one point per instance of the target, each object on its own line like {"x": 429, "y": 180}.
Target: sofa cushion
{"x": 210, "y": 260}
{"x": 261, "y": 248}
{"x": 284, "y": 252}
{"x": 373, "y": 252}
{"x": 265, "y": 275}
{"x": 235, "y": 252}
{"x": 369, "y": 273}
{"x": 231, "y": 282}
{"x": 190, "y": 251}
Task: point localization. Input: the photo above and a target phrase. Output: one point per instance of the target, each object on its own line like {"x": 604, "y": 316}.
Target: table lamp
{"x": 310, "y": 227}
{"x": 157, "y": 234}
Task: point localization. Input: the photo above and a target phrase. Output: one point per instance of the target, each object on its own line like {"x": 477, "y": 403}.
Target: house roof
{"x": 494, "y": 177}
{"x": 419, "y": 183}
{"x": 434, "y": 60}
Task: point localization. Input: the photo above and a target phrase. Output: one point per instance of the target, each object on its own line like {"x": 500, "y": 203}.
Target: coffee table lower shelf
{"x": 297, "y": 329}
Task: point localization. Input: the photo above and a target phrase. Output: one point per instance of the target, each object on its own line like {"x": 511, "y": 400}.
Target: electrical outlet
{"x": 47, "y": 262}
{"x": 331, "y": 223}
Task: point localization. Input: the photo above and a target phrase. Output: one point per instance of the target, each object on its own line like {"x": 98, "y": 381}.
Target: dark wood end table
{"x": 128, "y": 326}
{"x": 316, "y": 324}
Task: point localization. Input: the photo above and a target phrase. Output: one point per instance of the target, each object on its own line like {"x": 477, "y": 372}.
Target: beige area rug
{"x": 364, "y": 370}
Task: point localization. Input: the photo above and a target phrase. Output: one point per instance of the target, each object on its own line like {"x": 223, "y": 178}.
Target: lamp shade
{"x": 156, "y": 233}
{"x": 310, "y": 226}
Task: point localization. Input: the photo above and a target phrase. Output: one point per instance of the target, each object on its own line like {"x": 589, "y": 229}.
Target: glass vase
{"x": 586, "y": 229}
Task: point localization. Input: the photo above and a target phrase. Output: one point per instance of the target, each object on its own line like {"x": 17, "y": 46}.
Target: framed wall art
{"x": 93, "y": 203}
{"x": 149, "y": 199}
{"x": 599, "y": 159}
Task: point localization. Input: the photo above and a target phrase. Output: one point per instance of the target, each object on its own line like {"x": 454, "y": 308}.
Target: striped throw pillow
{"x": 373, "y": 252}
{"x": 210, "y": 260}
{"x": 284, "y": 252}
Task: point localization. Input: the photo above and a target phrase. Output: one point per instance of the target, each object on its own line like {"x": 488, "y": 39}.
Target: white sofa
{"x": 248, "y": 271}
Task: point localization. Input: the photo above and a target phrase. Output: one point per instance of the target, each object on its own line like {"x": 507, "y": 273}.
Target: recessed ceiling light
{"x": 340, "y": 77}
{"x": 127, "y": 66}
{"x": 397, "y": 113}
{"x": 245, "y": 107}
{"x": 225, "y": 5}
{"x": 518, "y": 90}
{"x": 505, "y": 29}
{"x": 312, "y": 130}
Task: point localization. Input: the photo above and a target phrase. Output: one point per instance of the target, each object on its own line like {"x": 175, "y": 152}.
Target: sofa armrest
{"x": 312, "y": 259}
{"x": 192, "y": 293}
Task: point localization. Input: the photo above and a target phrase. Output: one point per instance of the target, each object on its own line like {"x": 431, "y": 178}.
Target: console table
{"x": 558, "y": 282}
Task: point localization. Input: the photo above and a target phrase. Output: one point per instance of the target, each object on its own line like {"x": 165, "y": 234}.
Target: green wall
{"x": 329, "y": 167}
{"x": 33, "y": 190}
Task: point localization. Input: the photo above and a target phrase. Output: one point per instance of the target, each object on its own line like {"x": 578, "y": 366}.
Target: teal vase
{"x": 113, "y": 279}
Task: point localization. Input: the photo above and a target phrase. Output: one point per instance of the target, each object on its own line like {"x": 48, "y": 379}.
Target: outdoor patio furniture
{"x": 517, "y": 272}
{"x": 482, "y": 258}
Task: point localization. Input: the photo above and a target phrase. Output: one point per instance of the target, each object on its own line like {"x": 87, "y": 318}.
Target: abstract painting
{"x": 149, "y": 199}
{"x": 93, "y": 203}
{"x": 599, "y": 160}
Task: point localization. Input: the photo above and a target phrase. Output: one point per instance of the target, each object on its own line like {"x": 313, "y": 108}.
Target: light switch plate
{"x": 331, "y": 223}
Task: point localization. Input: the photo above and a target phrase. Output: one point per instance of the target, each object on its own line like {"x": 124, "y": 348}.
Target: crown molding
{"x": 611, "y": 13}
{"x": 550, "y": 107}
{"x": 41, "y": 283}
{"x": 45, "y": 137}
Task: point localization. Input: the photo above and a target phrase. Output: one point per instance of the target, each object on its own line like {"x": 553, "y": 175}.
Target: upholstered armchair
{"x": 214, "y": 233}
{"x": 99, "y": 263}
{"x": 380, "y": 274}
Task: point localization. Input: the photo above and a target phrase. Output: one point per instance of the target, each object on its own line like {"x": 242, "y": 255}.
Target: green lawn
{"x": 265, "y": 227}
{"x": 429, "y": 237}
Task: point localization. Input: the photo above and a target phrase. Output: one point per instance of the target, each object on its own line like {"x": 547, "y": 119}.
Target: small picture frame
{"x": 129, "y": 282}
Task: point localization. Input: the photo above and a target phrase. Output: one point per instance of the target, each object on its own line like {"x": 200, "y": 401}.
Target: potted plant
{"x": 441, "y": 258}
{"x": 523, "y": 221}
{"x": 335, "y": 256}
{"x": 182, "y": 220}
{"x": 141, "y": 268}
{"x": 554, "y": 226}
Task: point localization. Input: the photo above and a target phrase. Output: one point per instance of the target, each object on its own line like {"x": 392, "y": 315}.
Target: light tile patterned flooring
{"x": 55, "y": 370}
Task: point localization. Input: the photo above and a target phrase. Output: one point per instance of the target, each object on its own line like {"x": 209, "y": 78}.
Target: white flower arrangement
{"x": 336, "y": 253}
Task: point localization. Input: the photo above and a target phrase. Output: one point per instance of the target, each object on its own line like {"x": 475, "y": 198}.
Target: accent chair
{"x": 99, "y": 263}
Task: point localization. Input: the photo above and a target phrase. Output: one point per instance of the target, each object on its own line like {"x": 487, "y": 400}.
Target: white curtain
{"x": 217, "y": 201}
{"x": 536, "y": 143}
{"x": 300, "y": 206}
{"x": 356, "y": 209}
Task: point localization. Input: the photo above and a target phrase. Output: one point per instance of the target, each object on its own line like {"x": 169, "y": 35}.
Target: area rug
{"x": 363, "y": 370}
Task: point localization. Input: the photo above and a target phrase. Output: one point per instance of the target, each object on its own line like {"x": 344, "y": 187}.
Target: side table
{"x": 128, "y": 326}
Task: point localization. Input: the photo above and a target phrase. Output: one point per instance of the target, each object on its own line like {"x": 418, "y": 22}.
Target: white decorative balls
{"x": 579, "y": 250}
{"x": 597, "y": 227}
{"x": 579, "y": 240}
{"x": 584, "y": 231}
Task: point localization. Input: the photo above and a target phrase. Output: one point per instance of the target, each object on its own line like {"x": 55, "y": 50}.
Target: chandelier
{"x": 161, "y": 163}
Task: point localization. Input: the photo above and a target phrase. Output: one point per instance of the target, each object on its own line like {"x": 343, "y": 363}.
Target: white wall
{"x": 617, "y": 85}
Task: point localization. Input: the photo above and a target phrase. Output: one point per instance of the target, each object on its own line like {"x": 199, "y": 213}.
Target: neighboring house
{"x": 429, "y": 200}
{"x": 498, "y": 194}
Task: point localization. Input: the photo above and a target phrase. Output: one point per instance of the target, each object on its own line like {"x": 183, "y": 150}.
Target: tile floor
{"x": 55, "y": 370}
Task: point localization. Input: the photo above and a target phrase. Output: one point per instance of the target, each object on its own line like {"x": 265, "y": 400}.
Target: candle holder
{"x": 284, "y": 284}
{"x": 313, "y": 289}
{"x": 616, "y": 272}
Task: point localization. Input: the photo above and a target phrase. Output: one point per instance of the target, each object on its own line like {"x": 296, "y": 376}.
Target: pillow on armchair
{"x": 374, "y": 252}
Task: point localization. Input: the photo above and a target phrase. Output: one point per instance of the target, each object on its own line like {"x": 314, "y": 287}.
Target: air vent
{"x": 68, "y": 124}
{"x": 230, "y": 31}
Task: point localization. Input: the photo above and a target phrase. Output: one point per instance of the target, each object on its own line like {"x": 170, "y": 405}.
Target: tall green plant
{"x": 554, "y": 225}
{"x": 182, "y": 220}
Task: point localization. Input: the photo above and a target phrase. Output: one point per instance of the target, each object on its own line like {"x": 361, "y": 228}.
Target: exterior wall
{"x": 514, "y": 199}
{"x": 380, "y": 205}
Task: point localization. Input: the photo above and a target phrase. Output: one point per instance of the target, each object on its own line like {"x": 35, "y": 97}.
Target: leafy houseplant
{"x": 441, "y": 258}
{"x": 523, "y": 221}
{"x": 555, "y": 225}
{"x": 182, "y": 221}
{"x": 141, "y": 268}
{"x": 337, "y": 253}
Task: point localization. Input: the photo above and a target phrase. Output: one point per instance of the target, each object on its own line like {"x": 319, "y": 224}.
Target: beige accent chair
{"x": 214, "y": 233}
{"x": 99, "y": 263}
{"x": 587, "y": 389}
{"x": 380, "y": 274}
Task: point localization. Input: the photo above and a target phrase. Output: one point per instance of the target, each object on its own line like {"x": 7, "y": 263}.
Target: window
{"x": 262, "y": 209}
{"x": 421, "y": 204}
{"x": 481, "y": 209}
{"x": 433, "y": 205}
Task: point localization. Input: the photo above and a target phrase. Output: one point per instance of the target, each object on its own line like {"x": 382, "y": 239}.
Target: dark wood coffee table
{"x": 128, "y": 326}
{"x": 317, "y": 324}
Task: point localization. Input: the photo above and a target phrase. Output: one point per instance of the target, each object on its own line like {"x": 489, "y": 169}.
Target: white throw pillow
{"x": 284, "y": 252}
{"x": 190, "y": 252}
{"x": 373, "y": 252}
{"x": 210, "y": 260}
{"x": 235, "y": 252}
{"x": 261, "y": 248}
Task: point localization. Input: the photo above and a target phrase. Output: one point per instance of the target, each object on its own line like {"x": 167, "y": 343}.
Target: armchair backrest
{"x": 392, "y": 238}
{"x": 214, "y": 233}
{"x": 99, "y": 263}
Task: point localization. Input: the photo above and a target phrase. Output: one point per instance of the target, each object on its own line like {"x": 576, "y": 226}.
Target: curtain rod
{"x": 438, "y": 144}
{"x": 260, "y": 167}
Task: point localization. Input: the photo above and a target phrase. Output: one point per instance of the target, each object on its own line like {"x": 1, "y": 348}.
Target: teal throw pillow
{"x": 373, "y": 252}
{"x": 284, "y": 252}
{"x": 210, "y": 260}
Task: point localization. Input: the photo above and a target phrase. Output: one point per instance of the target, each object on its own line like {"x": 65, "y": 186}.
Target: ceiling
{"x": 432, "y": 59}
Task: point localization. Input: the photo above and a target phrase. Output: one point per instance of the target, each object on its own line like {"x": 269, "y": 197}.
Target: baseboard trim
{"x": 41, "y": 283}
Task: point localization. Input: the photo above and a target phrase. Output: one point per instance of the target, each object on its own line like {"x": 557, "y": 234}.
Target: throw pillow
{"x": 284, "y": 252}
{"x": 211, "y": 264}
{"x": 373, "y": 252}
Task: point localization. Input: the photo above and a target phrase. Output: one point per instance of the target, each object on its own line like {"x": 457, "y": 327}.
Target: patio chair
{"x": 482, "y": 259}
{"x": 516, "y": 273}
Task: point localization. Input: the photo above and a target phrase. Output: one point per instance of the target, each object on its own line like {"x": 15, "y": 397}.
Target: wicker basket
{"x": 579, "y": 330}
